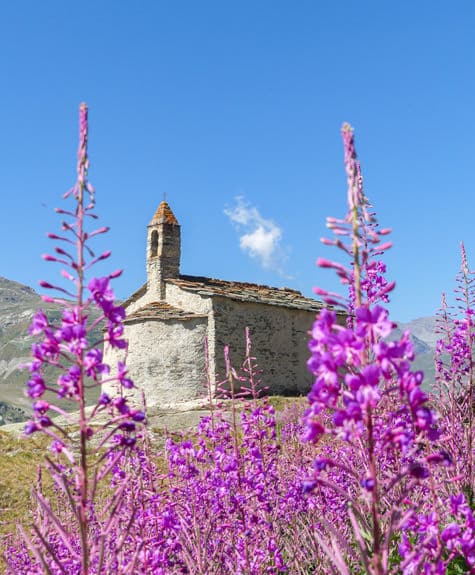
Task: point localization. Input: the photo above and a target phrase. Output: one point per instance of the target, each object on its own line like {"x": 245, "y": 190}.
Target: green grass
{"x": 19, "y": 461}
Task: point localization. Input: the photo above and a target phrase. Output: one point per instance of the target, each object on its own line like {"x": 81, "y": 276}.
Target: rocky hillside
{"x": 425, "y": 339}
{"x": 17, "y": 306}
{"x": 423, "y": 329}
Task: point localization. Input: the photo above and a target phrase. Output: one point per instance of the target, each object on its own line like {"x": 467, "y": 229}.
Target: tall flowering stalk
{"x": 365, "y": 396}
{"x": 440, "y": 538}
{"x": 455, "y": 375}
{"x": 87, "y": 443}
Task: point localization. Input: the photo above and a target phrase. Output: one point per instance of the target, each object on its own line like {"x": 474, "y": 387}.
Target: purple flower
{"x": 121, "y": 376}
{"x": 326, "y": 319}
{"x": 457, "y": 502}
{"x": 326, "y": 390}
{"x": 120, "y": 403}
{"x": 36, "y": 385}
{"x": 399, "y": 434}
{"x": 93, "y": 363}
{"x": 101, "y": 291}
{"x": 128, "y": 426}
{"x": 114, "y": 335}
{"x": 46, "y": 351}
{"x": 30, "y": 428}
{"x": 309, "y": 485}
{"x": 373, "y": 321}
{"x": 394, "y": 356}
{"x": 74, "y": 336}
{"x": 124, "y": 440}
{"x": 450, "y": 533}
{"x": 57, "y": 446}
{"x": 138, "y": 416}
{"x": 418, "y": 471}
{"x": 442, "y": 456}
{"x": 104, "y": 399}
{"x": 71, "y": 316}
{"x": 44, "y": 421}
{"x": 368, "y": 483}
{"x": 368, "y": 396}
{"x": 424, "y": 417}
{"x": 40, "y": 407}
{"x": 68, "y": 382}
{"x": 321, "y": 463}
{"x": 116, "y": 314}
{"x": 39, "y": 323}
{"x": 314, "y": 430}
{"x": 346, "y": 347}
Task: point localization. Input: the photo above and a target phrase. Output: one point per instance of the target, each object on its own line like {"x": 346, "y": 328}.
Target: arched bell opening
{"x": 154, "y": 244}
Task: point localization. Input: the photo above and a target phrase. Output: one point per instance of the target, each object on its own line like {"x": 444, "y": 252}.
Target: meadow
{"x": 373, "y": 475}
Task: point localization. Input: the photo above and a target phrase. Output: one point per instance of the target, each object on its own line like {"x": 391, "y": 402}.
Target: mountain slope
{"x": 18, "y": 303}
{"x": 425, "y": 339}
{"x": 17, "y": 306}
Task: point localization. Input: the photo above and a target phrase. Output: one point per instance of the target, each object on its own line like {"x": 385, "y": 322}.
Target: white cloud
{"x": 260, "y": 238}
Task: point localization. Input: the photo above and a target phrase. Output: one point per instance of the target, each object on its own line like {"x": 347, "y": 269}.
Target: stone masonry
{"x": 169, "y": 318}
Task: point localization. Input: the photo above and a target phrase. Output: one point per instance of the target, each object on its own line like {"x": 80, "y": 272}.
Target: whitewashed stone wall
{"x": 165, "y": 359}
{"x": 141, "y": 300}
{"x": 279, "y": 342}
{"x": 187, "y": 300}
{"x": 174, "y": 296}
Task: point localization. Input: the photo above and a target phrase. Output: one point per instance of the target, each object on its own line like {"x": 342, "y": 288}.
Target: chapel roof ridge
{"x": 240, "y": 291}
{"x": 164, "y": 215}
{"x": 246, "y": 291}
{"x": 216, "y": 281}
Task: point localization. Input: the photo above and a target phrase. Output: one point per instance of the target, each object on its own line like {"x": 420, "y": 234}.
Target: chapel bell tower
{"x": 163, "y": 249}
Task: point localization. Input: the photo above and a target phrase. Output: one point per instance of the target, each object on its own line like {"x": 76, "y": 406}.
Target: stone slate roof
{"x": 238, "y": 291}
{"x": 164, "y": 215}
{"x": 247, "y": 292}
{"x": 160, "y": 310}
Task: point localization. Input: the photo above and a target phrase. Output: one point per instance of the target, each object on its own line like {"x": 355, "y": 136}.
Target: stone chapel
{"x": 171, "y": 315}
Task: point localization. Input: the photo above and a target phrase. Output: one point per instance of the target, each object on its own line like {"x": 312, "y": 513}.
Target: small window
{"x": 154, "y": 243}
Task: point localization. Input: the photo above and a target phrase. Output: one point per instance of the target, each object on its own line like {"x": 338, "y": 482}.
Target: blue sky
{"x": 228, "y": 106}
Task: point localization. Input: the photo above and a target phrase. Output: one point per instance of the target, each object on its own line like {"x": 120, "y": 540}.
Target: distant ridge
{"x": 424, "y": 329}
{"x": 425, "y": 339}
{"x": 18, "y": 303}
